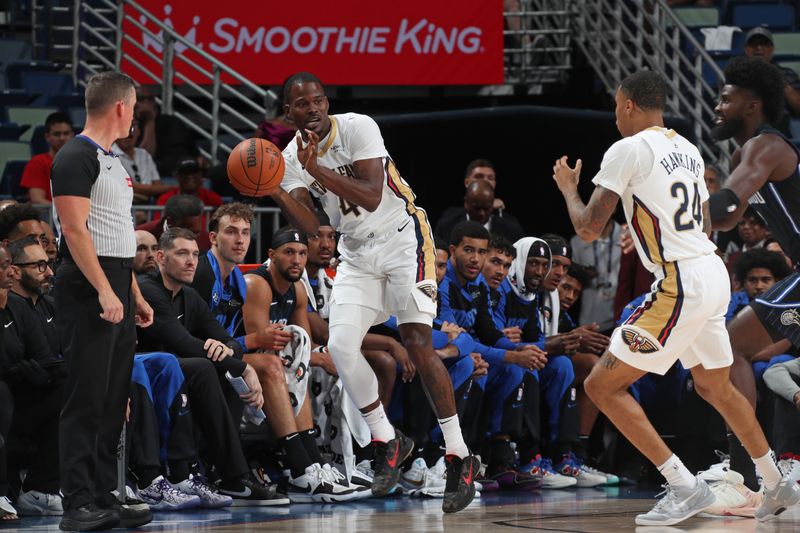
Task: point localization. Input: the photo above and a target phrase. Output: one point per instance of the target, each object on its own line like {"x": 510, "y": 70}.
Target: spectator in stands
{"x": 758, "y": 270}
{"x": 190, "y": 182}
{"x": 184, "y": 326}
{"x": 49, "y": 242}
{"x": 35, "y": 378}
{"x": 442, "y": 256}
{"x": 140, "y": 166}
{"x": 752, "y": 233}
{"x": 20, "y": 220}
{"x": 180, "y": 211}
{"x": 478, "y": 201}
{"x": 784, "y": 380}
{"x": 146, "y": 247}
{"x": 774, "y": 246}
{"x": 602, "y": 259}
{"x": 30, "y": 280}
{"x": 759, "y": 43}
{"x": 36, "y": 177}
{"x": 166, "y": 137}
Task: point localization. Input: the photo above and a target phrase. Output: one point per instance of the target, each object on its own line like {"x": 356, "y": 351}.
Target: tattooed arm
{"x": 608, "y": 361}
{"x": 707, "y": 219}
{"x": 589, "y": 220}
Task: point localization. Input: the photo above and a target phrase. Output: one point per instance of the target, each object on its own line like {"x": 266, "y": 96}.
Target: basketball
{"x": 255, "y": 167}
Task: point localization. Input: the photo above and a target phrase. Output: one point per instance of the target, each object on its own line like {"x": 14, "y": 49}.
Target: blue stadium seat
{"x": 13, "y": 150}
{"x": 46, "y": 83}
{"x": 14, "y": 70}
{"x": 15, "y": 50}
{"x": 66, "y": 100}
{"x": 10, "y": 131}
{"x": 78, "y": 116}
{"x": 776, "y": 16}
{"x": 12, "y": 175}
{"x": 10, "y": 98}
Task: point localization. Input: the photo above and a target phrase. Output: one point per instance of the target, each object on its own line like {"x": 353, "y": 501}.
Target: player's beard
{"x": 727, "y": 129}
{"x": 291, "y": 278}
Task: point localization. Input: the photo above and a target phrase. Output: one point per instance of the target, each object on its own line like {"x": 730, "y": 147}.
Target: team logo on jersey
{"x": 318, "y": 187}
{"x": 790, "y": 317}
{"x": 428, "y": 289}
{"x": 637, "y": 343}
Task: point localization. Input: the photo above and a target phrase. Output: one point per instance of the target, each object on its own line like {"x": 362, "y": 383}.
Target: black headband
{"x": 287, "y": 235}
{"x": 539, "y": 249}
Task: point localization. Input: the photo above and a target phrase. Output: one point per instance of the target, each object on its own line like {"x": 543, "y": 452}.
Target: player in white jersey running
{"x": 659, "y": 177}
{"x": 387, "y": 267}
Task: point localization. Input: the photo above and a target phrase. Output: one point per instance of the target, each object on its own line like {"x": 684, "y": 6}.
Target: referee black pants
{"x": 99, "y": 357}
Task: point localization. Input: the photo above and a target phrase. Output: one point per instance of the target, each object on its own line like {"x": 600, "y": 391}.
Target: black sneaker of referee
{"x": 388, "y": 458}
{"x": 459, "y": 490}
{"x": 88, "y": 517}
{"x": 132, "y": 513}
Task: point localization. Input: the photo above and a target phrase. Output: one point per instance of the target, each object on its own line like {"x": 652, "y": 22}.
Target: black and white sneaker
{"x": 250, "y": 492}
{"x": 319, "y": 484}
{"x": 360, "y": 490}
{"x": 133, "y": 512}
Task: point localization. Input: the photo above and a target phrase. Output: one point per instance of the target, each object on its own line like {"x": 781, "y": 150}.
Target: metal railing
{"x": 257, "y": 232}
{"x": 619, "y": 37}
{"x": 210, "y": 115}
{"x": 538, "y": 41}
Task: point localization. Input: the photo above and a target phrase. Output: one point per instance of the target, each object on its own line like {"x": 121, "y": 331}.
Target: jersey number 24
{"x": 683, "y": 219}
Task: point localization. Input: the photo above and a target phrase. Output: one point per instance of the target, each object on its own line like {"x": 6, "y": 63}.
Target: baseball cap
{"x": 188, "y": 166}
{"x": 759, "y": 31}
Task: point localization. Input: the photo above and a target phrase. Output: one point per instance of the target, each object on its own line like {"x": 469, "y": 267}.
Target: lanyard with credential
{"x": 610, "y": 252}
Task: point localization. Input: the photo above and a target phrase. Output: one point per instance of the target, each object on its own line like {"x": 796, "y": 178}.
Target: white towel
{"x": 719, "y": 38}
{"x": 296, "y": 357}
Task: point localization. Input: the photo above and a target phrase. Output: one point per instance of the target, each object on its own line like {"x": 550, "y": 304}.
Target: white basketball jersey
{"x": 659, "y": 176}
{"x": 352, "y": 138}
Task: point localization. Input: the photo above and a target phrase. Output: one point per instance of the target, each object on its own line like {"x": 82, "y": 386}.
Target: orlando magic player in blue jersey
{"x": 764, "y": 175}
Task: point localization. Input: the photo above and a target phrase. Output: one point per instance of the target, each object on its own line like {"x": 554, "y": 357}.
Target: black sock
{"x": 581, "y": 448}
{"x": 309, "y": 439}
{"x": 147, "y": 475}
{"x": 178, "y": 471}
{"x": 296, "y": 454}
{"x": 741, "y": 462}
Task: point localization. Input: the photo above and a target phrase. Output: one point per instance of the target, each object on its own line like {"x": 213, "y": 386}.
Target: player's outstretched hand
{"x": 307, "y": 155}
{"x": 566, "y": 177}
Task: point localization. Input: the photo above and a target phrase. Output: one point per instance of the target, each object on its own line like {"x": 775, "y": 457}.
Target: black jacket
{"x": 182, "y": 325}
{"x": 506, "y": 226}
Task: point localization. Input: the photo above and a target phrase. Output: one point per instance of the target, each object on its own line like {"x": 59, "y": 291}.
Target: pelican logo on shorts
{"x": 790, "y": 317}
{"x": 429, "y": 290}
{"x": 637, "y": 343}
{"x": 318, "y": 187}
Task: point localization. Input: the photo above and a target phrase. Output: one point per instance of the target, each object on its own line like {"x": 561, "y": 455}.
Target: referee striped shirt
{"x": 83, "y": 168}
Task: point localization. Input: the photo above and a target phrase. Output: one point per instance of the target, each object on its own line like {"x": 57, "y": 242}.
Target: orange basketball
{"x": 255, "y": 167}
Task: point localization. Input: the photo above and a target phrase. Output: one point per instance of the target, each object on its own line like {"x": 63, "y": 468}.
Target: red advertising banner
{"x": 355, "y": 42}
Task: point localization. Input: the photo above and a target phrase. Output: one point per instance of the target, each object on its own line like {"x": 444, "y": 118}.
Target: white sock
{"x": 769, "y": 470}
{"x": 453, "y": 439}
{"x": 676, "y": 473}
{"x": 379, "y": 425}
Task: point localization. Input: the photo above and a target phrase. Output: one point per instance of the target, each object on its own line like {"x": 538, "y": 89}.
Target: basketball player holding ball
{"x": 388, "y": 267}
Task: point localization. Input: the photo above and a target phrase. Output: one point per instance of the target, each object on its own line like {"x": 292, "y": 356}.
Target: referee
{"x": 98, "y": 305}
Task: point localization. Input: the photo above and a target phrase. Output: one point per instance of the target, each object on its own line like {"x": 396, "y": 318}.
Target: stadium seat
{"x": 38, "y": 142}
{"x": 46, "y": 83}
{"x": 698, "y": 17}
{"x": 14, "y": 70}
{"x": 10, "y": 131}
{"x": 15, "y": 50}
{"x": 11, "y": 150}
{"x": 11, "y": 178}
{"x": 776, "y": 16}
{"x": 33, "y": 116}
{"x": 78, "y": 116}
{"x": 787, "y": 44}
{"x": 12, "y": 97}
{"x": 66, "y": 100}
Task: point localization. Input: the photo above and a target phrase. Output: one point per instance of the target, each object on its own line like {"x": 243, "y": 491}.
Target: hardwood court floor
{"x": 575, "y": 510}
